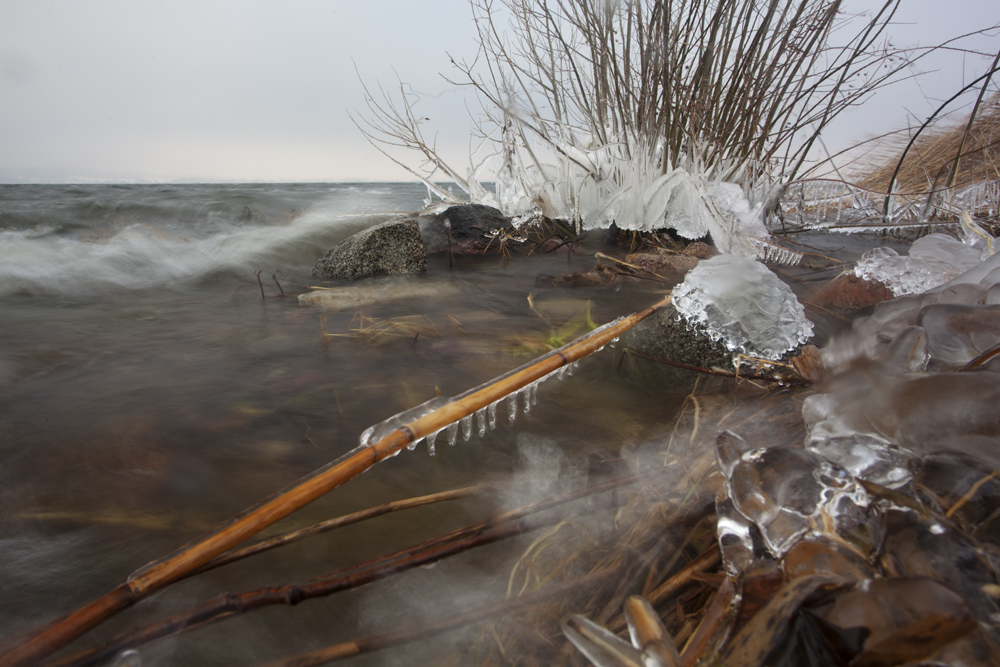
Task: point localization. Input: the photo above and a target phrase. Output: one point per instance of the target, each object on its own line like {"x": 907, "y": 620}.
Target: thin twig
{"x": 331, "y": 524}
{"x": 416, "y": 632}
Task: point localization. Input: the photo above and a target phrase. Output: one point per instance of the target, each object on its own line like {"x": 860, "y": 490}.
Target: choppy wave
{"x": 60, "y": 240}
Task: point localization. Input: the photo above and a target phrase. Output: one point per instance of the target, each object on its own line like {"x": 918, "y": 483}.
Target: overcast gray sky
{"x": 120, "y": 90}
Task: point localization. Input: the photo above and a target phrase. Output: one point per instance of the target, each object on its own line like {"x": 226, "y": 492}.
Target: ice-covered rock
{"x": 933, "y": 260}
{"x": 742, "y": 303}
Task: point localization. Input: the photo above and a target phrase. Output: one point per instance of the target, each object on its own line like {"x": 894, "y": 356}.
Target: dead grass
{"x": 927, "y": 167}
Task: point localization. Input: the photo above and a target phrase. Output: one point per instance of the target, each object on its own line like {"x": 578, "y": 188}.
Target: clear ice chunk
{"x": 791, "y": 493}
{"x": 957, "y": 334}
{"x": 452, "y": 430}
{"x": 742, "y": 303}
{"x": 466, "y": 428}
{"x": 908, "y": 352}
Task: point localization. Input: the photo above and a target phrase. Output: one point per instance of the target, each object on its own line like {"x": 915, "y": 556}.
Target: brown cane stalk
{"x": 41, "y": 642}
{"x": 507, "y": 524}
{"x": 331, "y": 524}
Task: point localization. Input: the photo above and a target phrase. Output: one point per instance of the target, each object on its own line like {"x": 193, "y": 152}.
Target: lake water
{"x": 148, "y": 391}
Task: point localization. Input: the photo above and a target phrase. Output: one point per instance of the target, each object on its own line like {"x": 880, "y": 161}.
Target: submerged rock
{"x": 377, "y": 292}
{"x": 392, "y": 247}
{"x": 663, "y": 265}
{"x": 663, "y": 337}
{"x": 847, "y": 295}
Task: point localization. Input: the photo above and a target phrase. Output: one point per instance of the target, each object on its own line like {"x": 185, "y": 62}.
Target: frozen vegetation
{"x": 581, "y": 121}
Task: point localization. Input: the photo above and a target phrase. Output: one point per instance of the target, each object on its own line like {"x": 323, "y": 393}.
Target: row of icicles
{"x": 484, "y": 417}
{"x": 488, "y": 415}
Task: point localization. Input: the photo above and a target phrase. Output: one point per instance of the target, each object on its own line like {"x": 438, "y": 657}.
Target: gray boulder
{"x": 389, "y": 248}
{"x": 470, "y": 227}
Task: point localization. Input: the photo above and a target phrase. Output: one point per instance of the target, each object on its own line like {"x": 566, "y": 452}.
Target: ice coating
{"x": 863, "y": 453}
{"x": 743, "y": 304}
{"x": 373, "y": 434}
{"x": 791, "y": 493}
{"x": 933, "y": 260}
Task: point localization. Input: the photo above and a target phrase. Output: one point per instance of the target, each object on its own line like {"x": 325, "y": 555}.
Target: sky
{"x": 125, "y": 91}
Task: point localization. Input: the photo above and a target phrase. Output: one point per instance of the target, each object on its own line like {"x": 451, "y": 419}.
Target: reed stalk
{"x": 331, "y": 524}
{"x": 227, "y": 605}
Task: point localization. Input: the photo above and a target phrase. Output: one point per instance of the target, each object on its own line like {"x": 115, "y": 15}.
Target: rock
{"x": 701, "y": 250}
{"x": 662, "y": 336}
{"x": 665, "y": 266}
{"x": 849, "y": 295}
{"x": 392, "y": 247}
{"x": 472, "y": 227}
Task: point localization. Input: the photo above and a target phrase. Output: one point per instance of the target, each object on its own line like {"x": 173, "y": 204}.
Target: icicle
{"x": 526, "y": 397}
{"x": 492, "y": 413}
{"x": 512, "y": 406}
{"x": 413, "y": 445}
{"x": 452, "y": 433}
{"x": 561, "y": 373}
{"x": 466, "y": 428}
{"x": 533, "y": 392}
{"x": 430, "y": 442}
{"x": 481, "y": 421}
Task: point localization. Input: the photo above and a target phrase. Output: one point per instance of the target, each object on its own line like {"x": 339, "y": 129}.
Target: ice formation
{"x": 787, "y": 493}
{"x": 743, "y": 304}
{"x": 625, "y": 183}
{"x": 920, "y": 375}
{"x": 933, "y": 260}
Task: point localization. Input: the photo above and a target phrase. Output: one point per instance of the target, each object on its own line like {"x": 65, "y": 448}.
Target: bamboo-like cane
{"x": 501, "y": 526}
{"x": 35, "y": 645}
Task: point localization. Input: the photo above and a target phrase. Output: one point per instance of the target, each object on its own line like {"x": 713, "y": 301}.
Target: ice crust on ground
{"x": 742, "y": 303}
{"x": 933, "y": 260}
{"x": 903, "y": 384}
{"x": 912, "y": 385}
